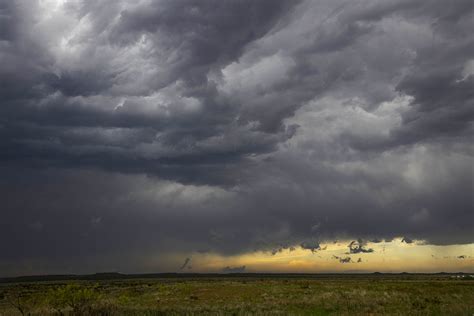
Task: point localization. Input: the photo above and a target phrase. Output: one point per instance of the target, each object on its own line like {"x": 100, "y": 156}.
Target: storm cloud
{"x": 161, "y": 127}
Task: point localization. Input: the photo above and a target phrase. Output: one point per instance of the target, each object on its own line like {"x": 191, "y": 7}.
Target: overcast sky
{"x": 132, "y": 130}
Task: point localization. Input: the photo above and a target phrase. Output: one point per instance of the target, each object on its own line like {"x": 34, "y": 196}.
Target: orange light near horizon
{"x": 395, "y": 256}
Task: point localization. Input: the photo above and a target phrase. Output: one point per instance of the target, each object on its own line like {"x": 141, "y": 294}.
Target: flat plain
{"x": 250, "y": 294}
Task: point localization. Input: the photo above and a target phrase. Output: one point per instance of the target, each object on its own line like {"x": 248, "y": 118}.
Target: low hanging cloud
{"x": 311, "y": 245}
{"x": 343, "y": 259}
{"x": 228, "y": 269}
{"x": 230, "y": 127}
{"x": 359, "y": 246}
{"x": 185, "y": 264}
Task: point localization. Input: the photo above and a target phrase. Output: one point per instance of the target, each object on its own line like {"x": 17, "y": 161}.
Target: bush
{"x": 21, "y": 300}
{"x": 79, "y": 299}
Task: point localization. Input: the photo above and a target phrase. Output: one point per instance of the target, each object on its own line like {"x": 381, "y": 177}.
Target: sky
{"x": 236, "y": 136}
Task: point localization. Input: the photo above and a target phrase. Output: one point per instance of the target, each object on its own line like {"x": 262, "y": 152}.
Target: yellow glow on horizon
{"x": 394, "y": 256}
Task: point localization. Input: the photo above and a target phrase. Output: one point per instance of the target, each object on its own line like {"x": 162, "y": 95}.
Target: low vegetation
{"x": 250, "y": 295}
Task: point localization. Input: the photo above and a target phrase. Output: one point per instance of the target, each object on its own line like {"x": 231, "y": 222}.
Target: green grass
{"x": 336, "y": 295}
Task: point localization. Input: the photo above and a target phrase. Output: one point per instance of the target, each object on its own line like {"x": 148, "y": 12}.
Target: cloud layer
{"x": 180, "y": 126}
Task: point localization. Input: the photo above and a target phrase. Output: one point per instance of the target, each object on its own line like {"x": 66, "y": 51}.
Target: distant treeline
{"x": 121, "y": 276}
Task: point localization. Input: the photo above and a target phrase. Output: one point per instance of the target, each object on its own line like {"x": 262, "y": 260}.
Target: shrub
{"x": 79, "y": 299}
{"x": 20, "y": 299}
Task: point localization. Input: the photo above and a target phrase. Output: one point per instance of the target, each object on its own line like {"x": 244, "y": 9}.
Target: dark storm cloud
{"x": 232, "y": 126}
{"x": 7, "y": 22}
{"x": 70, "y": 108}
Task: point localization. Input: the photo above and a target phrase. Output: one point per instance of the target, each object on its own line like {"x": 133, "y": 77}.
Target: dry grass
{"x": 343, "y": 295}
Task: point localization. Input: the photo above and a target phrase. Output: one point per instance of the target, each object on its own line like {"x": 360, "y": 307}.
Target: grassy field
{"x": 249, "y": 295}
